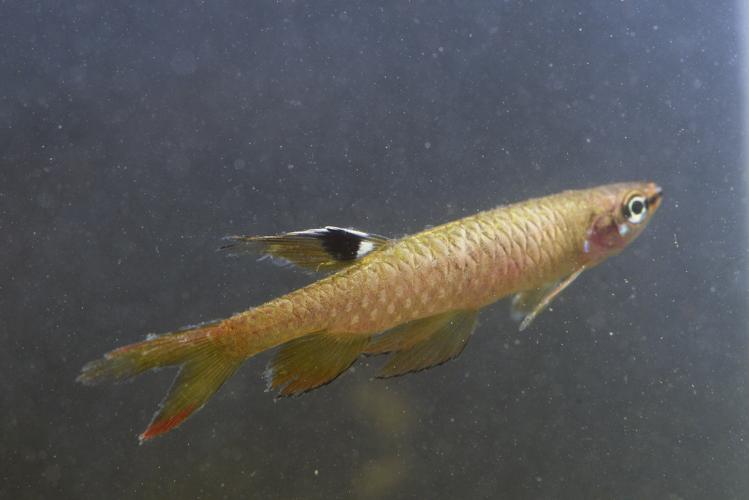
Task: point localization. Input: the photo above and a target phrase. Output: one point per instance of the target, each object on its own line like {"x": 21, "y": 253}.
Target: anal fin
{"x": 423, "y": 343}
{"x": 311, "y": 361}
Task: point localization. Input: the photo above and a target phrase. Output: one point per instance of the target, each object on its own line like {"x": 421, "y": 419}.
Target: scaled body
{"x": 416, "y": 298}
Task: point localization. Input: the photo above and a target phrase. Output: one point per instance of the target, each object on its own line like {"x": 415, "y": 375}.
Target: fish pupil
{"x": 637, "y": 207}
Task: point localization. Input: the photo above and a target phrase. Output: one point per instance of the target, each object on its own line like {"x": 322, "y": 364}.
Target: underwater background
{"x": 134, "y": 136}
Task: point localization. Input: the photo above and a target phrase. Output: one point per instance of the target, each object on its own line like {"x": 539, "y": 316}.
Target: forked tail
{"x": 205, "y": 366}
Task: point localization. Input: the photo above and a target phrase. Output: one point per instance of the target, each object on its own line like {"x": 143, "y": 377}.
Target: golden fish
{"x": 415, "y": 298}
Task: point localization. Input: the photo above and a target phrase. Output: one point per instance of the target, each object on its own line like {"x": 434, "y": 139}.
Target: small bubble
{"x": 427, "y": 145}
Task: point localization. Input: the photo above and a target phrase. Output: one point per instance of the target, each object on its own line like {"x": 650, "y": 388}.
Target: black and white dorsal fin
{"x": 324, "y": 249}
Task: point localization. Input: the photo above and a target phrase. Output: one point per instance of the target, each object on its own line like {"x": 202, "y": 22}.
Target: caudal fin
{"x": 205, "y": 367}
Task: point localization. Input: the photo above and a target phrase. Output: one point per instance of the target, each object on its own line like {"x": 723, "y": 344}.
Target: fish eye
{"x": 635, "y": 209}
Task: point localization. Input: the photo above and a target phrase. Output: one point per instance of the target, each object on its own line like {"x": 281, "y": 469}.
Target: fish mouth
{"x": 654, "y": 196}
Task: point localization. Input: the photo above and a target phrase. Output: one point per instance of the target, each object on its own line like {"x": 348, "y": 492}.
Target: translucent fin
{"x": 205, "y": 367}
{"x": 408, "y": 334}
{"x": 155, "y": 352}
{"x": 309, "y": 362}
{"x": 325, "y": 249}
{"x": 524, "y": 302}
{"x": 536, "y": 301}
{"x": 424, "y": 343}
{"x": 200, "y": 377}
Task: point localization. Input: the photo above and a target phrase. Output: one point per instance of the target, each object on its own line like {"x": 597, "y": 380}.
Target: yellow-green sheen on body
{"x": 464, "y": 264}
{"x": 415, "y": 299}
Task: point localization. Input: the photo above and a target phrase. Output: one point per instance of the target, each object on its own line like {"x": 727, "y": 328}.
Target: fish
{"x": 413, "y": 299}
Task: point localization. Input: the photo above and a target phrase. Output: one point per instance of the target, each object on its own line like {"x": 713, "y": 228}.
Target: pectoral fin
{"x": 531, "y": 302}
{"x": 325, "y": 249}
{"x": 524, "y": 302}
{"x": 423, "y": 343}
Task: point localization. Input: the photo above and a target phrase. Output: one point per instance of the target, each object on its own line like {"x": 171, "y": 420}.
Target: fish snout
{"x": 654, "y": 194}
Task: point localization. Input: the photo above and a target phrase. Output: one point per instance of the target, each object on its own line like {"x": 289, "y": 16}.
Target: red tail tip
{"x": 163, "y": 424}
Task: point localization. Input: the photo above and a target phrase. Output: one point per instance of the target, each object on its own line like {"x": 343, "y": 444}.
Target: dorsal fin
{"x": 324, "y": 249}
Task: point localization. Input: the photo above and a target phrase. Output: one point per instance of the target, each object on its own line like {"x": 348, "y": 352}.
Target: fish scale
{"x": 449, "y": 251}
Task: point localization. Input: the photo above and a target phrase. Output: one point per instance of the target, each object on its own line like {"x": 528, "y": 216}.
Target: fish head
{"x": 618, "y": 214}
